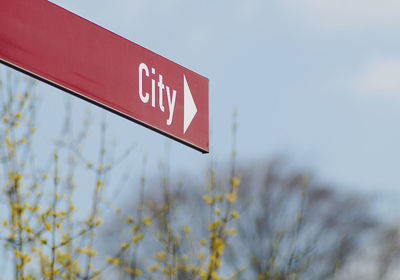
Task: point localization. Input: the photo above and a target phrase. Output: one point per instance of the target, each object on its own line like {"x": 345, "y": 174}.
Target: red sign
{"x": 54, "y": 45}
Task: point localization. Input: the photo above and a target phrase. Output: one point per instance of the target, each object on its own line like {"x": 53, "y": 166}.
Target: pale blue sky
{"x": 317, "y": 80}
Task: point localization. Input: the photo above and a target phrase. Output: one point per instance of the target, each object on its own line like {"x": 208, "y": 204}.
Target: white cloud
{"x": 346, "y": 13}
{"x": 380, "y": 76}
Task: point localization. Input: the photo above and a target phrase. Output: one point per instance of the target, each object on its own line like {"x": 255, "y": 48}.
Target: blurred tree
{"x": 297, "y": 227}
{"x": 286, "y": 225}
{"x": 379, "y": 256}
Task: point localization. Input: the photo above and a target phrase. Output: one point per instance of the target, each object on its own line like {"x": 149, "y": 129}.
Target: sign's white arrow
{"x": 189, "y": 107}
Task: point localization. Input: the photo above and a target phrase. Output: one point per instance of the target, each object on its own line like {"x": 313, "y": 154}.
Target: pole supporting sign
{"x": 71, "y": 53}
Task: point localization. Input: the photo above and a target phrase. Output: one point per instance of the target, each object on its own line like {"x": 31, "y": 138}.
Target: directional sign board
{"x": 54, "y": 45}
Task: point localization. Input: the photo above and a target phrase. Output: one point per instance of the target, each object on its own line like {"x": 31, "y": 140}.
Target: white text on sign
{"x": 145, "y": 96}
